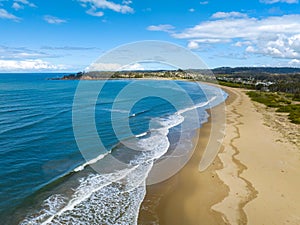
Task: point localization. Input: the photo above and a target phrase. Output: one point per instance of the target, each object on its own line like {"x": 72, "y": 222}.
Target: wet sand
{"x": 253, "y": 180}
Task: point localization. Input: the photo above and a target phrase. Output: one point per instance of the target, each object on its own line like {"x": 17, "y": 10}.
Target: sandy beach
{"x": 253, "y": 180}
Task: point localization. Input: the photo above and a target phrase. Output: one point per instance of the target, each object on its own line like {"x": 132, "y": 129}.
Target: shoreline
{"x": 244, "y": 185}
{"x": 177, "y": 200}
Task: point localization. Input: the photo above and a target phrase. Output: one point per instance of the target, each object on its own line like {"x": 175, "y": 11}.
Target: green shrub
{"x": 275, "y": 101}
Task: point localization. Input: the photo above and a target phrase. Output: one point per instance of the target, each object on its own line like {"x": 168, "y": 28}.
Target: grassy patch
{"x": 282, "y": 102}
{"x": 236, "y": 85}
{"x": 293, "y": 110}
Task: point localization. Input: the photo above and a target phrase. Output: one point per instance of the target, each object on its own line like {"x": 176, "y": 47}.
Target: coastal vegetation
{"x": 271, "y": 79}
{"x": 284, "y": 103}
{"x": 285, "y": 80}
{"x": 145, "y": 74}
{"x": 274, "y": 87}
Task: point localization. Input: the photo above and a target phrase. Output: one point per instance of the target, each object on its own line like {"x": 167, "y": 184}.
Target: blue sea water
{"x": 45, "y": 178}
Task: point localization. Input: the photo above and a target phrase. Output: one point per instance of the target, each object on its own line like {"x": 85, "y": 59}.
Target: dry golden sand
{"x": 273, "y": 167}
{"x": 254, "y": 180}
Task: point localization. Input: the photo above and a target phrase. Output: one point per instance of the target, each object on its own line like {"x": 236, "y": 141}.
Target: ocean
{"x": 53, "y": 168}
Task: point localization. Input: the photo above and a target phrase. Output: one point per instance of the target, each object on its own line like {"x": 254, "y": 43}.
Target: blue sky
{"x": 68, "y": 35}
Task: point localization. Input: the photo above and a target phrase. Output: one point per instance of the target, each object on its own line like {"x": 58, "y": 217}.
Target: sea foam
{"x": 112, "y": 198}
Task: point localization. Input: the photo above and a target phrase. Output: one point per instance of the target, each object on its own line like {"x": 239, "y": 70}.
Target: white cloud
{"x": 250, "y": 49}
{"x": 192, "y": 10}
{"x": 12, "y": 53}
{"x": 193, "y": 45}
{"x": 23, "y": 55}
{"x": 53, "y": 20}
{"x": 272, "y": 36}
{"x": 28, "y": 65}
{"x": 213, "y": 40}
{"x": 104, "y": 4}
{"x": 94, "y": 13}
{"x": 25, "y": 2}
{"x": 279, "y": 1}
{"x": 221, "y": 15}
{"x": 294, "y": 42}
{"x": 242, "y": 43}
{"x": 134, "y": 66}
{"x": 127, "y": 2}
{"x": 104, "y": 67}
{"x": 248, "y": 28}
{"x": 6, "y": 15}
{"x": 162, "y": 27}
{"x": 17, "y": 6}
{"x": 68, "y": 48}
{"x": 282, "y": 47}
{"x": 204, "y": 3}
{"x": 294, "y": 62}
